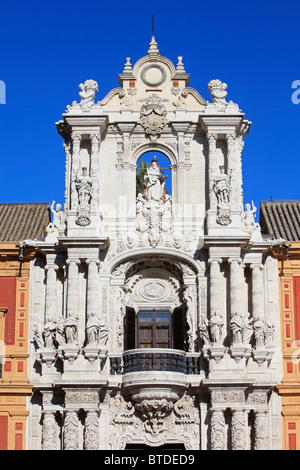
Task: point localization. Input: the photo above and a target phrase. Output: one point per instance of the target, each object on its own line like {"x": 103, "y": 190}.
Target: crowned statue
{"x": 155, "y": 182}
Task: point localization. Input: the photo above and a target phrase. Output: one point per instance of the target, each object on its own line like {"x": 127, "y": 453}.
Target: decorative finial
{"x": 180, "y": 66}
{"x": 153, "y": 44}
{"x": 127, "y": 66}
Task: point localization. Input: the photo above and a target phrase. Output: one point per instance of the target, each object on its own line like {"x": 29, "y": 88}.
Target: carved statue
{"x": 103, "y": 334}
{"x": 248, "y": 219}
{"x": 60, "y": 337}
{"x": 203, "y": 331}
{"x": 70, "y": 329}
{"x": 218, "y": 91}
{"x": 236, "y": 325}
{"x": 49, "y": 333}
{"x": 269, "y": 333}
{"x": 259, "y": 332}
{"x": 87, "y": 94}
{"x": 84, "y": 189}
{"x": 247, "y": 328}
{"x": 221, "y": 187}
{"x": 57, "y": 226}
{"x": 38, "y": 336}
{"x": 155, "y": 182}
{"x": 216, "y": 326}
{"x": 92, "y": 328}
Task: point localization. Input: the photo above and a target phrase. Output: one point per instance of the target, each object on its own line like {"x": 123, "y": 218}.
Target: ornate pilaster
{"x": 261, "y": 438}
{"x": 235, "y": 285}
{"x": 95, "y": 143}
{"x": 49, "y": 431}
{"x": 231, "y": 163}
{"x": 93, "y": 286}
{"x": 72, "y": 294}
{"x": 239, "y": 428}
{"x": 215, "y": 285}
{"x": 51, "y": 290}
{"x": 257, "y": 291}
{"x": 71, "y": 430}
{"x": 218, "y": 437}
{"x": 76, "y": 140}
{"x": 91, "y": 431}
{"x": 212, "y": 143}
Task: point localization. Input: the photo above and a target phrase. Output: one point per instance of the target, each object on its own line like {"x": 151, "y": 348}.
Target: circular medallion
{"x": 153, "y": 75}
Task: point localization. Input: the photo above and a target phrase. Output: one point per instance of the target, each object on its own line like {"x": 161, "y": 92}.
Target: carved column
{"x": 92, "y": 287}
{"x": 212, "y": 143}
{"x": 235, "y": 285}
{"x": 231, "y": 164}
{"x": 71, "y": 430}
{"x": 51, "y": 291}
{"x": 76, "y": 140}
{"x": 257, "y": 291}
{"x": 261, "y": 438}
{"x": 215, "y": 284}
{"x": 91, "y": 431}
{"x": 218, "y": 438}
{"x": 72, "y": 295}
{"x": 239, "y": 428}
{"x": 49, "y": 431}
{"x": 95, "y": 141}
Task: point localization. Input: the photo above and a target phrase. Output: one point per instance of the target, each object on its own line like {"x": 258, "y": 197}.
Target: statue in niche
{"x": 236, "y": 326}
{"x": 221, "y": 187}
{"x": 49, "y": 333}
{"x": 87, "y": 94}
{"x": 155, "y": 182}
{"x": 248, "y": 219}
{"x": 216, "y": 324}
{"x": 247, "y": 328}
{"x": 70, "y": 329}
{"x": 84, "y": 189}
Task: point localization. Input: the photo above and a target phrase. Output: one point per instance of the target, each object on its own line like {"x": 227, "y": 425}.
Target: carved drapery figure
{"x": 216, "y": 324}
{"x": 70, "y": 328}
{"x": 92, "y": 329}
{"x": 155, "y": 182}
{"x": 236, "y": 325}
{"x": 49, "y": 333}
{"x": 84, "y": 188}
{"x": 247, "y": 328}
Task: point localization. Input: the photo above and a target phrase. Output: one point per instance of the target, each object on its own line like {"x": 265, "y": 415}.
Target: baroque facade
{"x": 155, "y": 315}
{"x": 281, "y": 219}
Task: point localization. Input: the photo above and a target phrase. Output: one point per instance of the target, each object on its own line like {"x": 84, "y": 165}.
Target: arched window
{"x": 145, "y": 162}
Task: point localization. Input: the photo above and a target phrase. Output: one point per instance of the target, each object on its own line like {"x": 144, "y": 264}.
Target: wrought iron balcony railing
{"x": 163, "y": 360}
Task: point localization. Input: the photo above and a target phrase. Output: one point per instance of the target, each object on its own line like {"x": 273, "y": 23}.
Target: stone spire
{"x": 153, "y": 51}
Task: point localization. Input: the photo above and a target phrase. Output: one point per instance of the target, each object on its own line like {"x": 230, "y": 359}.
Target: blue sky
{"x": 48, "y": 48}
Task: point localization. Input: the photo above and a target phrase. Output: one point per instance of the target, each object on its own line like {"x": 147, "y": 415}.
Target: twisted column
{"x": 212, "y": 143}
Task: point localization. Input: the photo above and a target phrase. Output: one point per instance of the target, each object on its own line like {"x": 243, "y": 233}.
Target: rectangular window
{"x": 3, "y": 432}
{"x": 154, "y": 330}
{"x": 8, "y": 300}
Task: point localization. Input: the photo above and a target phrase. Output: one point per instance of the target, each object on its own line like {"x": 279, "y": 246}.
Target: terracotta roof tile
{"x": 281, "y": 219}
{"x": 21, "y": 221}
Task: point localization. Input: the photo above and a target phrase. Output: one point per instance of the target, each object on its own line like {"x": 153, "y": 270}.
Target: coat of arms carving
{"x": 153, "y": 115}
